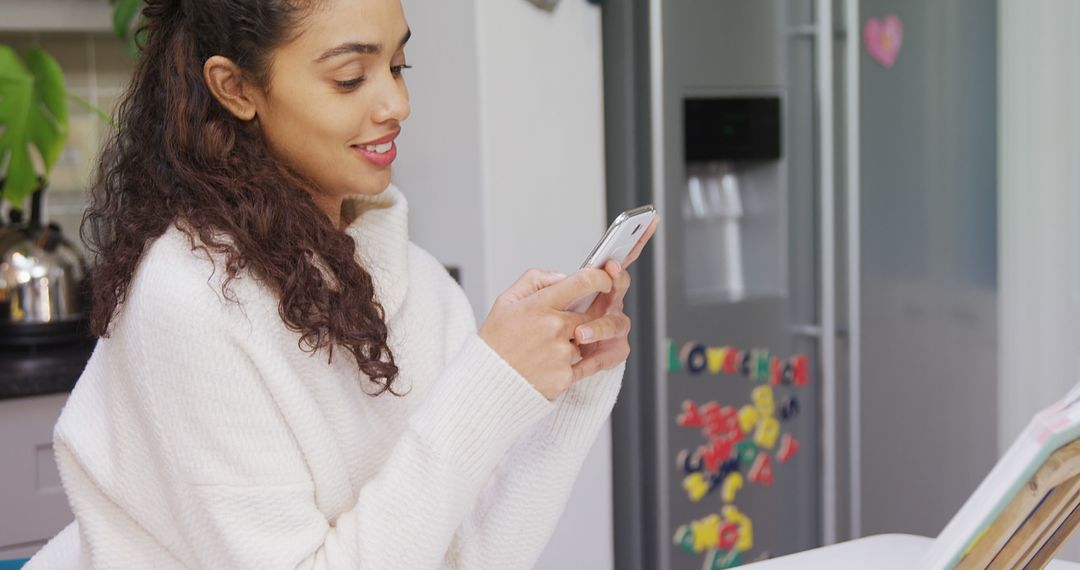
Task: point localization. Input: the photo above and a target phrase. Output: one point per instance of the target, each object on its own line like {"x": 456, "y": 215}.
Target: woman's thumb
{"x": 532, "y": 281}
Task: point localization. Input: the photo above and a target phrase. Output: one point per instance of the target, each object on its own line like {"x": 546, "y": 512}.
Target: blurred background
{"x": 865, "y": 283}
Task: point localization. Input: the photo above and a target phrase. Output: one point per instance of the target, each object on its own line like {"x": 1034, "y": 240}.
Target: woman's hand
{"x": 529, "y": 327}
{"x": 551, "y": 347}
{"x": 603, "y": 340}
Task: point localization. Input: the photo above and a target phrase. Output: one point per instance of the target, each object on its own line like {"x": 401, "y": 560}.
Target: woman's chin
{"x": 375, "y": 184}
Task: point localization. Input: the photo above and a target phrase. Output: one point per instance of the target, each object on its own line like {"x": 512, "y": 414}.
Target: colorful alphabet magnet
{"x": 743, "y": 445}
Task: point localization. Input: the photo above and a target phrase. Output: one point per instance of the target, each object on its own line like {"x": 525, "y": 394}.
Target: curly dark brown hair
{"x": 179, "y": 158}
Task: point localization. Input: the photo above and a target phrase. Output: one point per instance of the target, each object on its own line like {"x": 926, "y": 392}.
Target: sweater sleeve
{"x": 220, "y": 482}
{"x": 458, "y": 438}
{"x": 517, "y": 511}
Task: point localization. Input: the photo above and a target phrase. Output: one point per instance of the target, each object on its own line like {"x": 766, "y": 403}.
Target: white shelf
{"x": 55, "y": 16}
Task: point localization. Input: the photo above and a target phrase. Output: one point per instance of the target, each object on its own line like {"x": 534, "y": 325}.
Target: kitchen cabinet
{"x": 55, "y": 16}
{"x": 33, "y": 507}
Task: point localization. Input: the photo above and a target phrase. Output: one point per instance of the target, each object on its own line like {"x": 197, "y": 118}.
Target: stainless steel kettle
{"x": 43, "y": 297}
{"x": 41, "y": 274}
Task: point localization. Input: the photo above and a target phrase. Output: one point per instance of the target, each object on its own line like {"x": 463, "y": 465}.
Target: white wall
{"x": 507, "y": 136}
{"x": 1040, "y": 253}
{"x": 541, "y": 81}
{"x": 543, "y": 170}
{"x": 438, "y": 165}
{"x": 1039, "y": 210}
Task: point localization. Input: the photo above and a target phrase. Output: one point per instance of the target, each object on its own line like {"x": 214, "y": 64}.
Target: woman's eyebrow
{"x": 358, "y": 47}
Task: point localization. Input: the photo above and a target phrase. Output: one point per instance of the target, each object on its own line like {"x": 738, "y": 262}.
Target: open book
{"x": 1049, "y": 430}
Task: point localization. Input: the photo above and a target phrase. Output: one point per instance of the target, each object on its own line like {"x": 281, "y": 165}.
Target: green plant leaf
{"x": 136, "y": 39}
{"x": 33, "y": 112}
{"x": 48, "y": 125}
{"x": 16, "y": 91}
{"x": 123, "y": 15}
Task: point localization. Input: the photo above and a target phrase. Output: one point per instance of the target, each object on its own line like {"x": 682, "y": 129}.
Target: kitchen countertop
{"x": 34, "y": 371}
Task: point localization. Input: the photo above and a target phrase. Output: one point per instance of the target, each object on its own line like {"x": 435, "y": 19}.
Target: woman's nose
{"x": 393, "y": 102}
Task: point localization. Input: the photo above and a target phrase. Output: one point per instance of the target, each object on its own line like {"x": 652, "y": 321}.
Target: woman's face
{"x": 337, "y": 97}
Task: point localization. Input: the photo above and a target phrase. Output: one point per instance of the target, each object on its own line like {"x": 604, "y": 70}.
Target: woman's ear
{"x": 230, "y": 86}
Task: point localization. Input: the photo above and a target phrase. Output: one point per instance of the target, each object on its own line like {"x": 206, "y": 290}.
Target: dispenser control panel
{"x": 732, "y": 128}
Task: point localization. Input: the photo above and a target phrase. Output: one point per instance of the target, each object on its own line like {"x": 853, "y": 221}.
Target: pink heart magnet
{"x": 884, "y": 38}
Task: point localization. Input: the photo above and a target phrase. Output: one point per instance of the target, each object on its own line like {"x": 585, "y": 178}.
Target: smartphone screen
{"x": 621, "y": 236}
{"x": 618, "y": 241}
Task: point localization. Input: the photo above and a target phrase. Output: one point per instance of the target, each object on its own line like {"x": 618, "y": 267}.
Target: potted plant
{"x": 42, "y": 295}
{"x": 33, "y": 119}
{"x": 42, "y": 276}
{"x": 34, "y": 112}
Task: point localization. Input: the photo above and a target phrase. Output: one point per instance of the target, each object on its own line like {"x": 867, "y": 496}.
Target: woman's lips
{"x": 379, "y": 159}
{"x": 381, "y": 152}
{"x": 382, "y": 140}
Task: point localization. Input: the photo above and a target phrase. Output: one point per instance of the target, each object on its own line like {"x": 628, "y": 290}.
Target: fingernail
{"x": 559, "y": 275}
{"x": 618, "y": 268}
{"x": 585, "y": 333}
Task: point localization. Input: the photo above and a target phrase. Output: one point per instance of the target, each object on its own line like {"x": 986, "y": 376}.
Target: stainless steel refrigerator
{"x": 815, "y": 323}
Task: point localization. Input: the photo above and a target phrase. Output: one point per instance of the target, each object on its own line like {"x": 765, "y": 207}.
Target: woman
{"x": 245, "y": 227}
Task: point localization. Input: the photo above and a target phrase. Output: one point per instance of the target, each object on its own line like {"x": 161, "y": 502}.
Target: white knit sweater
{"x": 201, "y": 436}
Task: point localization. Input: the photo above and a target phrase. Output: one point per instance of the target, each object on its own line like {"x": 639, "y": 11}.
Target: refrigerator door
{"x": 739, "y": 380}
{"x": 742, "y": 267}
{"x": 929, "y": 262}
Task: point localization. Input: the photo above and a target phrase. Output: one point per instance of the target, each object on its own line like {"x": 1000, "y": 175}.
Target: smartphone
{"x": 618, "y": 241}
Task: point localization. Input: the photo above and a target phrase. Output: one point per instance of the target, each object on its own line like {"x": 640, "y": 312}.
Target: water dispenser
{"x": 733, "y": 207}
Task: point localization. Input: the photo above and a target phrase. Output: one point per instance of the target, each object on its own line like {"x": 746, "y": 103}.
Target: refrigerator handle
{"x": 823, "y": 79}
{"x": 852, "y": 44}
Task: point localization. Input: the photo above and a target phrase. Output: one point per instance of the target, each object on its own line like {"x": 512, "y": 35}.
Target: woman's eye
{"x": 397, "y": 69}
{"x": 350, "y": 83}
